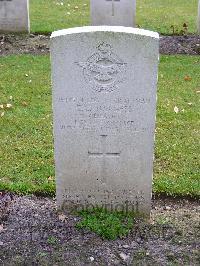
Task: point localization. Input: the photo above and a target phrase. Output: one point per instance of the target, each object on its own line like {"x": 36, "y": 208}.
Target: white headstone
{"x": 113, "y": 12}
{"x": 14, "y": 16}
{"x": 104, "y": 105}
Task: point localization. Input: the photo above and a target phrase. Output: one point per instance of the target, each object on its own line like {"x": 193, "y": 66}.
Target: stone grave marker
{"x": 14, "y": 16}
{"x": 113, "y": 12}
{"x": 104, "y": 104}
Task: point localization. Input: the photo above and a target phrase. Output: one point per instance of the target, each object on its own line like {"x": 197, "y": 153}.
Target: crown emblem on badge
{"x": 103, "y": 70}
{"x": 104, "y": 47}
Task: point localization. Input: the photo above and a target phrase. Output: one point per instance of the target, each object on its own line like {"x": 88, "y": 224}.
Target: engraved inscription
{"x": 3, "y": 7}
{"x": 8, "y": 22}
{"x": 132, "y": 199}
{"x": 11, "y": 17}
{"x": 104, "y": 70}
{"x": 108, "y": 115}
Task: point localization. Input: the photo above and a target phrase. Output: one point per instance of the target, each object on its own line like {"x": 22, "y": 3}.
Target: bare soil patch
{"x": 188, "y": 44}
{"x": 39, "y": 44}
{"x": 32, "y": 232}
{"x": 24, "y": 44}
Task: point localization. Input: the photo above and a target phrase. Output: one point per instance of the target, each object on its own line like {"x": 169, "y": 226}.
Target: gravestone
{"x": 14, "y": 16}
{"x": 113, "y": 12}
{"x": 104, "y": 105}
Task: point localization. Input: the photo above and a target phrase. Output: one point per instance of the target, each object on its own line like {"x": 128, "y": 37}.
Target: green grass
{"x": 26, "y": 154}
{"x": 160, "y": 15}
{"x": 177, "y": 157}
{"x": 108, "y": 225}
{"x": 157, "y": 15}
{"x": 47, "y": 16}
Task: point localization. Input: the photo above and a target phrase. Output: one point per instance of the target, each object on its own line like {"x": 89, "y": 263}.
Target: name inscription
{"x": 91, "y": 114}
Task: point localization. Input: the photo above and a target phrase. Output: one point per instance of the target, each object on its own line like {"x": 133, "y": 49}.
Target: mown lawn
{"x": 26, "y": 153}
{"x": 158, "y": 15}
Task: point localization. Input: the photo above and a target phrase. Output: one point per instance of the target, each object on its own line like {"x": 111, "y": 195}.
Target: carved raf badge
{"x": 104, "y": 70}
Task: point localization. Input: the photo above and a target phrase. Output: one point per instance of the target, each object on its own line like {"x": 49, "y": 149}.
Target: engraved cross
{"x": 104, "y": 154}
{"x": 113, "y": 5}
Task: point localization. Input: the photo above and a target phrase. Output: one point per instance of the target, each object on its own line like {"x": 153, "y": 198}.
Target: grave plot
{"x": 104, "y": 98}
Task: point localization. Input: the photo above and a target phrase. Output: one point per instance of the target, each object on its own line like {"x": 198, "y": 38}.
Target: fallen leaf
{"x": 50, "y": 178}
{"x": 91, "y": 259}
{"x": 24, "y": 103}
{"x": 190, "y": 104}
{"x": 2, "y": 114}
{"x": 8, "y": 105}
{"x": 10, "y": 97}
{"x": 1, "y": 106}
{"x": 176, "y": 110}
{"x": 197, "y": 91}
{"x": 187, "y": 78}
{"x": 61, "y": 217}
{"x": 124, "y": 256}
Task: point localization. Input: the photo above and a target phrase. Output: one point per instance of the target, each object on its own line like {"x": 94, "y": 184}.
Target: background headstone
{"x": 113, "y": 12}
{"x": 14, "y": 16}
{"x": 104, "y": 104}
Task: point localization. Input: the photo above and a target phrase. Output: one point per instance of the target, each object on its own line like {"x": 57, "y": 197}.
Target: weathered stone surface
{"x": 104, "y": 104}
{"x": 14, "y": 16}
{"x": 113, "y": 12}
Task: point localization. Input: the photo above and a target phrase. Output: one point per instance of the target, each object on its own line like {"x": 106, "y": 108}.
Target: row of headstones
{"x": 14, "y": 14}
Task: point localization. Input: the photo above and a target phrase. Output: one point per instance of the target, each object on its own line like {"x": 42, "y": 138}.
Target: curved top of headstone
{"x": 117, "y": 29}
